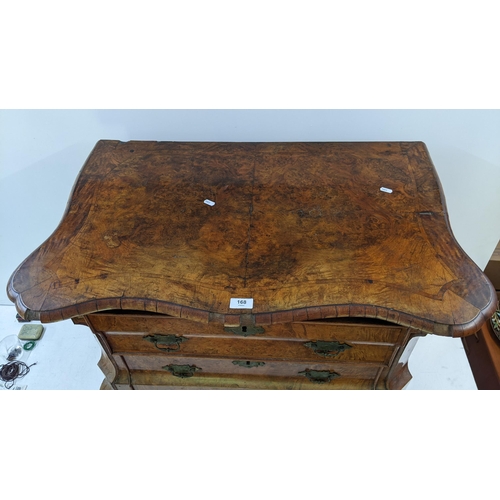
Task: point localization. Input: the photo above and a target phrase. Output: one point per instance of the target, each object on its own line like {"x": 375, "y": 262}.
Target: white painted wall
{"x": 42, "y": 151}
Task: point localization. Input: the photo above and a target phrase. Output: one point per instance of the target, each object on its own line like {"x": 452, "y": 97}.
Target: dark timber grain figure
{"x": 334, "y": 242}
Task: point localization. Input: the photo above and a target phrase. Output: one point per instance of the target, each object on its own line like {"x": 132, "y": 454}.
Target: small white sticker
{"x": 386, "y": 190}
{"x": 241, "y": 304}
{"x": 209, "y": 202}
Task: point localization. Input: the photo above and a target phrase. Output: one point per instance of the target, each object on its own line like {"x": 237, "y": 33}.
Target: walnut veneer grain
{"x": 304, "y": 229}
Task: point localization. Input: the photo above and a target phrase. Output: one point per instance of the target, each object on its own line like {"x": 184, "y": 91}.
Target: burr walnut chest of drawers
{"x": 256, "y": 265}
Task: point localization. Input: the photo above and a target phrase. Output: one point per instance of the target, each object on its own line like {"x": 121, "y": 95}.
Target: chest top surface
{"x": 307, "y": 230}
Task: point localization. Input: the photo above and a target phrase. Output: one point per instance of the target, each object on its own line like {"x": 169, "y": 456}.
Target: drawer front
{"x": 360, "y": 333}
{"x": 235, "y": 348}
{"x": 196, "y": 367}
{"x": 147, "y": 380}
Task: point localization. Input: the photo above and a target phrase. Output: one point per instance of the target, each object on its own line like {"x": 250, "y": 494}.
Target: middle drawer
{"x": 249, "y": 348}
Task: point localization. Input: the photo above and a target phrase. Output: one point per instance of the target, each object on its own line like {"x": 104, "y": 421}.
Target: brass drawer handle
{"x": 495, "y": 323}
{"x": 245, "y": 331}
{"x": 181, "y": 371}
{"x": 249, "y": 364}
{"x": 171, "y": 342}
{"x": 327, "y": 348}
{"x": 319, "y": 376}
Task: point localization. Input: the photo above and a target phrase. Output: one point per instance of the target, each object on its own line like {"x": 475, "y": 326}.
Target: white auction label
{"x": 209, "y": 202}
{"x": 386, "y": 190}
{"x": 241, "y": 304}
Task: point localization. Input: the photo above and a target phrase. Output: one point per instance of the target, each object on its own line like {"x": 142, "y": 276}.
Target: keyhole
{"x": 248, "y": 362}
{"x": 244, "y": 329}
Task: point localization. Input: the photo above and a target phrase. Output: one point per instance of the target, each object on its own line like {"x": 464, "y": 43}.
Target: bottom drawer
{"x": 152, "y": 380}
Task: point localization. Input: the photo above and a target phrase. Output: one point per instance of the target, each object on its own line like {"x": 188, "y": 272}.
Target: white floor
{"x": 66, "y": 358}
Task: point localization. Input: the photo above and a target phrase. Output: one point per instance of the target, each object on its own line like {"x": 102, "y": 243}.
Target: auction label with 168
{"x": 241, "y": 304}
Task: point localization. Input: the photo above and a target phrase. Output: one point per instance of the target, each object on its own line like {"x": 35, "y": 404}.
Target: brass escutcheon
{"x": 248, "y": 364}
{"x": 245, "y": 331}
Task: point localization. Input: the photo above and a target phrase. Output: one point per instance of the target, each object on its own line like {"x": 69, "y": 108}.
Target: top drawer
{"x": 311, "y": 330}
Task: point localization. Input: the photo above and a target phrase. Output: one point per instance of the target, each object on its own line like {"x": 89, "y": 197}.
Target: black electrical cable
{"x": 10, "y": 372}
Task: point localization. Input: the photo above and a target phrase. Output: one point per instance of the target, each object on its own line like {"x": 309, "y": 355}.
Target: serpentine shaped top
{"x": 301, "y": 231}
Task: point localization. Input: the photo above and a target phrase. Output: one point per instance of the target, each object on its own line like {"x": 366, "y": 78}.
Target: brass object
{"x": 319, "y": 376}
{"x": 245, "y": 331}
{"x": 20, "y": 319}
{"x": 171, "y": 342}
{"x": 248, "y": 364}
{"x": 327, "y": 348}
{"x": 495, "y": 323}
{"x": 181, "y": 371}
